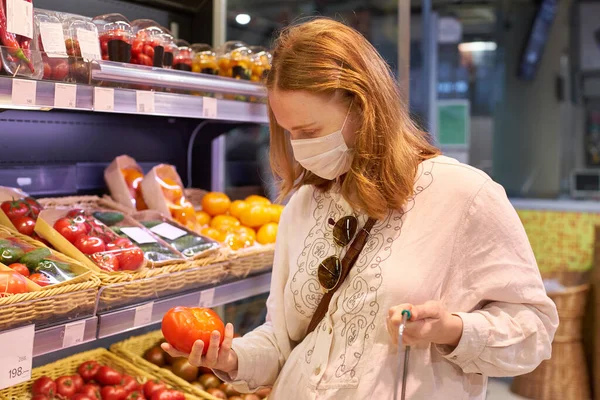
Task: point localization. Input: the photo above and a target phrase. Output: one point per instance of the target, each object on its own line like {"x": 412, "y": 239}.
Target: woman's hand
{"x": 429, "y": 323}
{"x": 218, "y": 357}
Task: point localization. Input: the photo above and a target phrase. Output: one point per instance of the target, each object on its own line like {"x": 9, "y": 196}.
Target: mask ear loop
{"x": 347, "y": 115}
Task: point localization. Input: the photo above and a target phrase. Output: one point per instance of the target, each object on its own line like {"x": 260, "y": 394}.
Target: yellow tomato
{"x": 202, "y": 218}
{"x": 275, "y": 211}
{"x": 255, "y": 199}
{"x": 237, "y": 208}
{"x": 223, "y": 222}
{"x": 214, "y": 234}
{"x": 215, "y": 203}
{"x": 255, "y": 216}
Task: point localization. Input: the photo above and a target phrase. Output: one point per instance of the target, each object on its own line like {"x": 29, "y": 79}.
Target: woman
{"x": 446, "y": 245}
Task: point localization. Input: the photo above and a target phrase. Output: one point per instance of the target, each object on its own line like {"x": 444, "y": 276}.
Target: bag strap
{"x": 347, "y": 263}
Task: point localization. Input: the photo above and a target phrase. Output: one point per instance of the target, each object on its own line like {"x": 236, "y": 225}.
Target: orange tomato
{"x": 267, "y": 233}
{"x": 238, "y": 242}
{"x": 255, "y": 216}
{"x": 133, "y": 178}
{"x": 215, "y": 203}
{"x": 275, "y": 211}
{"x": 184, "y": 213}
{"x": 223, "y": 222}
{"x": 255, "y": 199}
{"x": 248, "y": 232}
{"x": 214, "y": 234}
{"x": 202, "y": 218}
{"x": 172, "y": 191}
{"x": 237, "y": 208}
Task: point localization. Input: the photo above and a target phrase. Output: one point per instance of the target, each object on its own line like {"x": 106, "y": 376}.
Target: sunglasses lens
{"x": 329, "y": 272}
{"x": 344, "y": 230}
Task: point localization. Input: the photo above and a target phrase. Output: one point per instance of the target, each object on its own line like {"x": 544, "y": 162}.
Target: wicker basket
{"x": 251, "y": 260}
{"x": 49, "y": 305}
{"x": 68, "y": 366}
{"x": 85, "y": 202}
{"x": 565, "y": 375}
{"x": 133, "y": 350}
{"x": 119, "y": 290}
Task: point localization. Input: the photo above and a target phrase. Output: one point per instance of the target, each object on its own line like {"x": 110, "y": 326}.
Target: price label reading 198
{"x": 16, "y": 349}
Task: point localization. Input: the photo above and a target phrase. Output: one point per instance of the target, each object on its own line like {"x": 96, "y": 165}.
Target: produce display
{"x": 261, "y": 63}
{"x": 187, "y": 242}
{"x": 17, "y": 56}
{"x": 96, "y": 381}
{"x": 240, "y": 223}
{"x": 39, "y": 264}
{"x": 20, "y": 212}
{"x": 183, "y": 56}
{"x": 205, "y": 60}
{"x": 148, "y": 44}
{"x": 124, "y": 178}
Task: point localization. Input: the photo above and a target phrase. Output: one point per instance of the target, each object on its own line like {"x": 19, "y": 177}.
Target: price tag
{"x": 143, "y": 315}
{"x": 145, "y": 102}
{"x": 104, "y": 99}
{"x": 89, "y": 44}
{"x": 16, "y": 352}
{"x": 19, "y": 15}
{"x": 207, "y": 297}
{"x": 53, "y": 39}
{"x": 138, "y": 235}
{"x": 168, "y": 231}
{"x": 23, "y": 92}
{"x": 65, "y": 95}
{"x": 209, "y": 107}
{"x": 74, "y": 333}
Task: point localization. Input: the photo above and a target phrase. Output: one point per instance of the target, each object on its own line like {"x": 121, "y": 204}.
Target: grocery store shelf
{"x": 53, "y": 339}
{"x": 165, "y": 104}
{"x": 173, "y": 79}
{"x": 115, "y": 322}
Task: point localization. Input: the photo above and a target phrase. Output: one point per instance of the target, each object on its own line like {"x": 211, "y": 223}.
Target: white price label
{"x": 144, "y": 102}
{"x": 209, "y": 107}
{"x": 74, "y": 334}
{"x": 65, "y": 95}
{"x": 207, "y": 297}
{"x": 168, "y": 231}
{"x": 19, "y": 15}
{"x": 143, "y": 315}
{"x": 138, "y": 235}
{"x": 53, "y": 39}
{"x": 104, "y": 99}
{"x": 23, "y": 92}
{"x": 89, "y": 44}
{"x": 16, "y": 352}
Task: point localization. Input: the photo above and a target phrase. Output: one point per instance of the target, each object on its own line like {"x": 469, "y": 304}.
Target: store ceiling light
{"x": 477, "y": 46}
{"x": 242, "y": 19}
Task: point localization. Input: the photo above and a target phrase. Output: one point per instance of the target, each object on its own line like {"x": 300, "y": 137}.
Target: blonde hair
{"x": 323, "y": 56}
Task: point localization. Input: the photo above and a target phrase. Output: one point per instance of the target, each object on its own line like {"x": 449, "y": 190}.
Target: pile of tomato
{"x": 23, "y": 213}
{"x": 94, "y": 381}
{"x": 109, "y": 251}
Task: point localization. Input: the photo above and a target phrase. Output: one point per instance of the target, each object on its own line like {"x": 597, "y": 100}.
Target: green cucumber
{"x": 109, "y": 218}
{"x": 33, "y": 258}
{"x": 10, "y": 254}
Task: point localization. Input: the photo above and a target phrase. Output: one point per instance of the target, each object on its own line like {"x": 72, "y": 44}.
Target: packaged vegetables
{"x": 116, "y": 37}
{"x": 123, "y": 178}
{"x": 18, "y": 211}
{"x": 17, "y": 57}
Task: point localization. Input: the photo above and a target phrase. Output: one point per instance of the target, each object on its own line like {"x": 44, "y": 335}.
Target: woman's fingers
{"x": 212, "y": 354}
{"x": 226, "y": 345}
{"x": 430, "y": 309}
{"x": 195, "y": 357}
{"x": 172, "y": 351}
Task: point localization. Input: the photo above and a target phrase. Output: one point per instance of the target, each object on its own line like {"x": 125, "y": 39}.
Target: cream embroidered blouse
{"x": 457, "y": 240}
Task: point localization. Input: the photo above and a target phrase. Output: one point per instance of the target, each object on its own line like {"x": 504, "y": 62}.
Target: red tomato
{"x": 81, "y": 396}
{"x": 88, "y": 370}
{"x": 131, "y": 259}
{"x": 34, "y": 205}
{"x": 145, "y": 60}
{"x": 11, "y": 282}
{"x": 78, "y": 381}
{"x": 20, "y": 268}
{"x": 135, "y": 395}
{"x": 92, "y": 391}
{"x": 106, "y": 261}
{"x": 70, "y": 229}
{"x": 168, "y": 395}
{"x": 40, "y": 279}
{"x": 44, "y": 386}
{"x": 90, "y": 245}
{"x": 149, "y": 51}
{"x": 14, "y": 209}
{"x": 108, "y": 376}
{"x": 65, "y": 387}
{"x": 120, "y": 243}
{"x": 129, "y": 383}
{"x": 113, "y": 393}
{"x": 152, "y": 387}
{"x": 40, "y": 397}
{"x": 182, "y": 326}
{"x": 60, "y": 72}
{"x": 136, "y": 48}
{"x": 24, "y": 225}
{"x": 75, "y": 213}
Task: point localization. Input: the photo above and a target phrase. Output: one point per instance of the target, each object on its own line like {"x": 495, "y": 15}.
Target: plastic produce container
{"x": 235, "y": 60}
{"x": 205, "y": 59}
{"x": 148, "y": 44}
{"x": 116, "y": 37}
{"x": 183, "y": 56}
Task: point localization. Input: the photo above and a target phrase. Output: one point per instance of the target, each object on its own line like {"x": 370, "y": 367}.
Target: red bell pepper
{"x": 10, "y": 40}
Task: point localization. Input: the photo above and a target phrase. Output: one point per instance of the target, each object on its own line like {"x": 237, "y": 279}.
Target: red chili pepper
{"x": 10, "y": 40}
